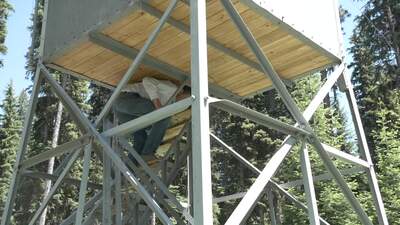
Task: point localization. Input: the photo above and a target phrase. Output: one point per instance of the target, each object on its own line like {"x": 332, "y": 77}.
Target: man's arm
{"x": 150, "y": 86}
{"x": 157, "y": 103}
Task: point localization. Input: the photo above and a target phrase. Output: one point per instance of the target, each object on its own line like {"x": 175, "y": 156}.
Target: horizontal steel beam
{"x": 228, "y": 197}
{"x": 151, "y": 62}
{"x": 323, "y": 177}
{"x": 59, "y": 150}
{"x": 258, "y": 117}
{"x": 148, "y": 119}
{"x": 52, "y": 177}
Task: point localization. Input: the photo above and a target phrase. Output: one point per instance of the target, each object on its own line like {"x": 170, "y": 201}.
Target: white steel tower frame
{"x": 152, "y": 189}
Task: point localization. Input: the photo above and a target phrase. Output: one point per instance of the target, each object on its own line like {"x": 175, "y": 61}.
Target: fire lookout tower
{"x": 226, "y": 50}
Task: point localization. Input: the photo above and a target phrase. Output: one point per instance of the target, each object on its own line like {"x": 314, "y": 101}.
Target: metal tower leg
{"x": 190, "y": 183}
{"x": 271, "y": 206}
{"x": 21, "y": 149}
{"x": 84, "y": 183}
{"x": 364, "y": 150}
{"x": 118, "y": 186}
{"x": 107, "y": 181}
{"x": 202, "y": 194}
{"x": 309, "y": 186}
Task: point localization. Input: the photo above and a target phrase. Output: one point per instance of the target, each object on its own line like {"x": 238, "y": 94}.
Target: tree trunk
{"x": 54, "y": 143}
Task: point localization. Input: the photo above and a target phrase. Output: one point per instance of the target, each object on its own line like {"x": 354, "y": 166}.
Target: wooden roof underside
{"x": 290, "y": 56}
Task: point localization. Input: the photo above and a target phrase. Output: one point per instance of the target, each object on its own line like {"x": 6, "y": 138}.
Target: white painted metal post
{"x": 190, "y": 184}
{"x": 271, "y": 206}
{"x": 107, "y": 180}
{"x": 84, "y": 183}
{"x": 309, "y": 186}
{"x": 202, "y": 194}
{"x": 364, "y": 150}
{"x": 118, "y": 179}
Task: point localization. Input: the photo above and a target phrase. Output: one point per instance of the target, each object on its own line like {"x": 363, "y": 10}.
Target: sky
{"x": 354, "y": 8}
{"x": 18, "y": 39}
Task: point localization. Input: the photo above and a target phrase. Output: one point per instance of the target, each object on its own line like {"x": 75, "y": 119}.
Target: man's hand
{"x": 157, "y": 103}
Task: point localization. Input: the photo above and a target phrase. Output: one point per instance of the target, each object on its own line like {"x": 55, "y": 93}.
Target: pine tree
{"x": 5, "y": 9}
{"x": 44, "y": 133}
{"x": 9, "y": 138}
{"x": 23, "y": 102}
{"x": 376, "y": 77}
{"x": 388, "y": 157}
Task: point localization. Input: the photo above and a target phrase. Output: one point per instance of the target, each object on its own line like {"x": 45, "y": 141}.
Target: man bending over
{"x": 141, "y": 98}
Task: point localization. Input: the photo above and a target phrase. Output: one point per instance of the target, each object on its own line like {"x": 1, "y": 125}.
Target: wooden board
{"x": 290, "y": 56}
{"x": 177, "y": 124}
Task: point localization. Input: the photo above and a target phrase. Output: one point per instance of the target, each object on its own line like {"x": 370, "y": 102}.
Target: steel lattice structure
{"x": 152, "y": 189}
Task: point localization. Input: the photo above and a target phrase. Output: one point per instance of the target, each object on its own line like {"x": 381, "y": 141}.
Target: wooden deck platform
{"x": 177, "y": 124}
{"x": 290, "y": 54}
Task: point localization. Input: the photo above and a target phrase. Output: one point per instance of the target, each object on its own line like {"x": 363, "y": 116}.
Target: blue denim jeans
{"x": 130, "y": 106}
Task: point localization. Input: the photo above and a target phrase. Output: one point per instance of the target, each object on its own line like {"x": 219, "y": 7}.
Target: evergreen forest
{"x": 375, "y": 75}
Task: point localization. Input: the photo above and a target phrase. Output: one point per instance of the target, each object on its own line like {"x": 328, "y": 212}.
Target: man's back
{"x": 151, "y": 88}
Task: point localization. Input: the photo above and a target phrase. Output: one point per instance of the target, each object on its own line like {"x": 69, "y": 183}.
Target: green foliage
{"x": 387, "y": 142}
{"x": 33, "y": 53}
{"x": 10, "y": 126}
{"x": 98, "y": 98}
{"x": 375, "y": 48}
{"x": 5, "y": 9}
